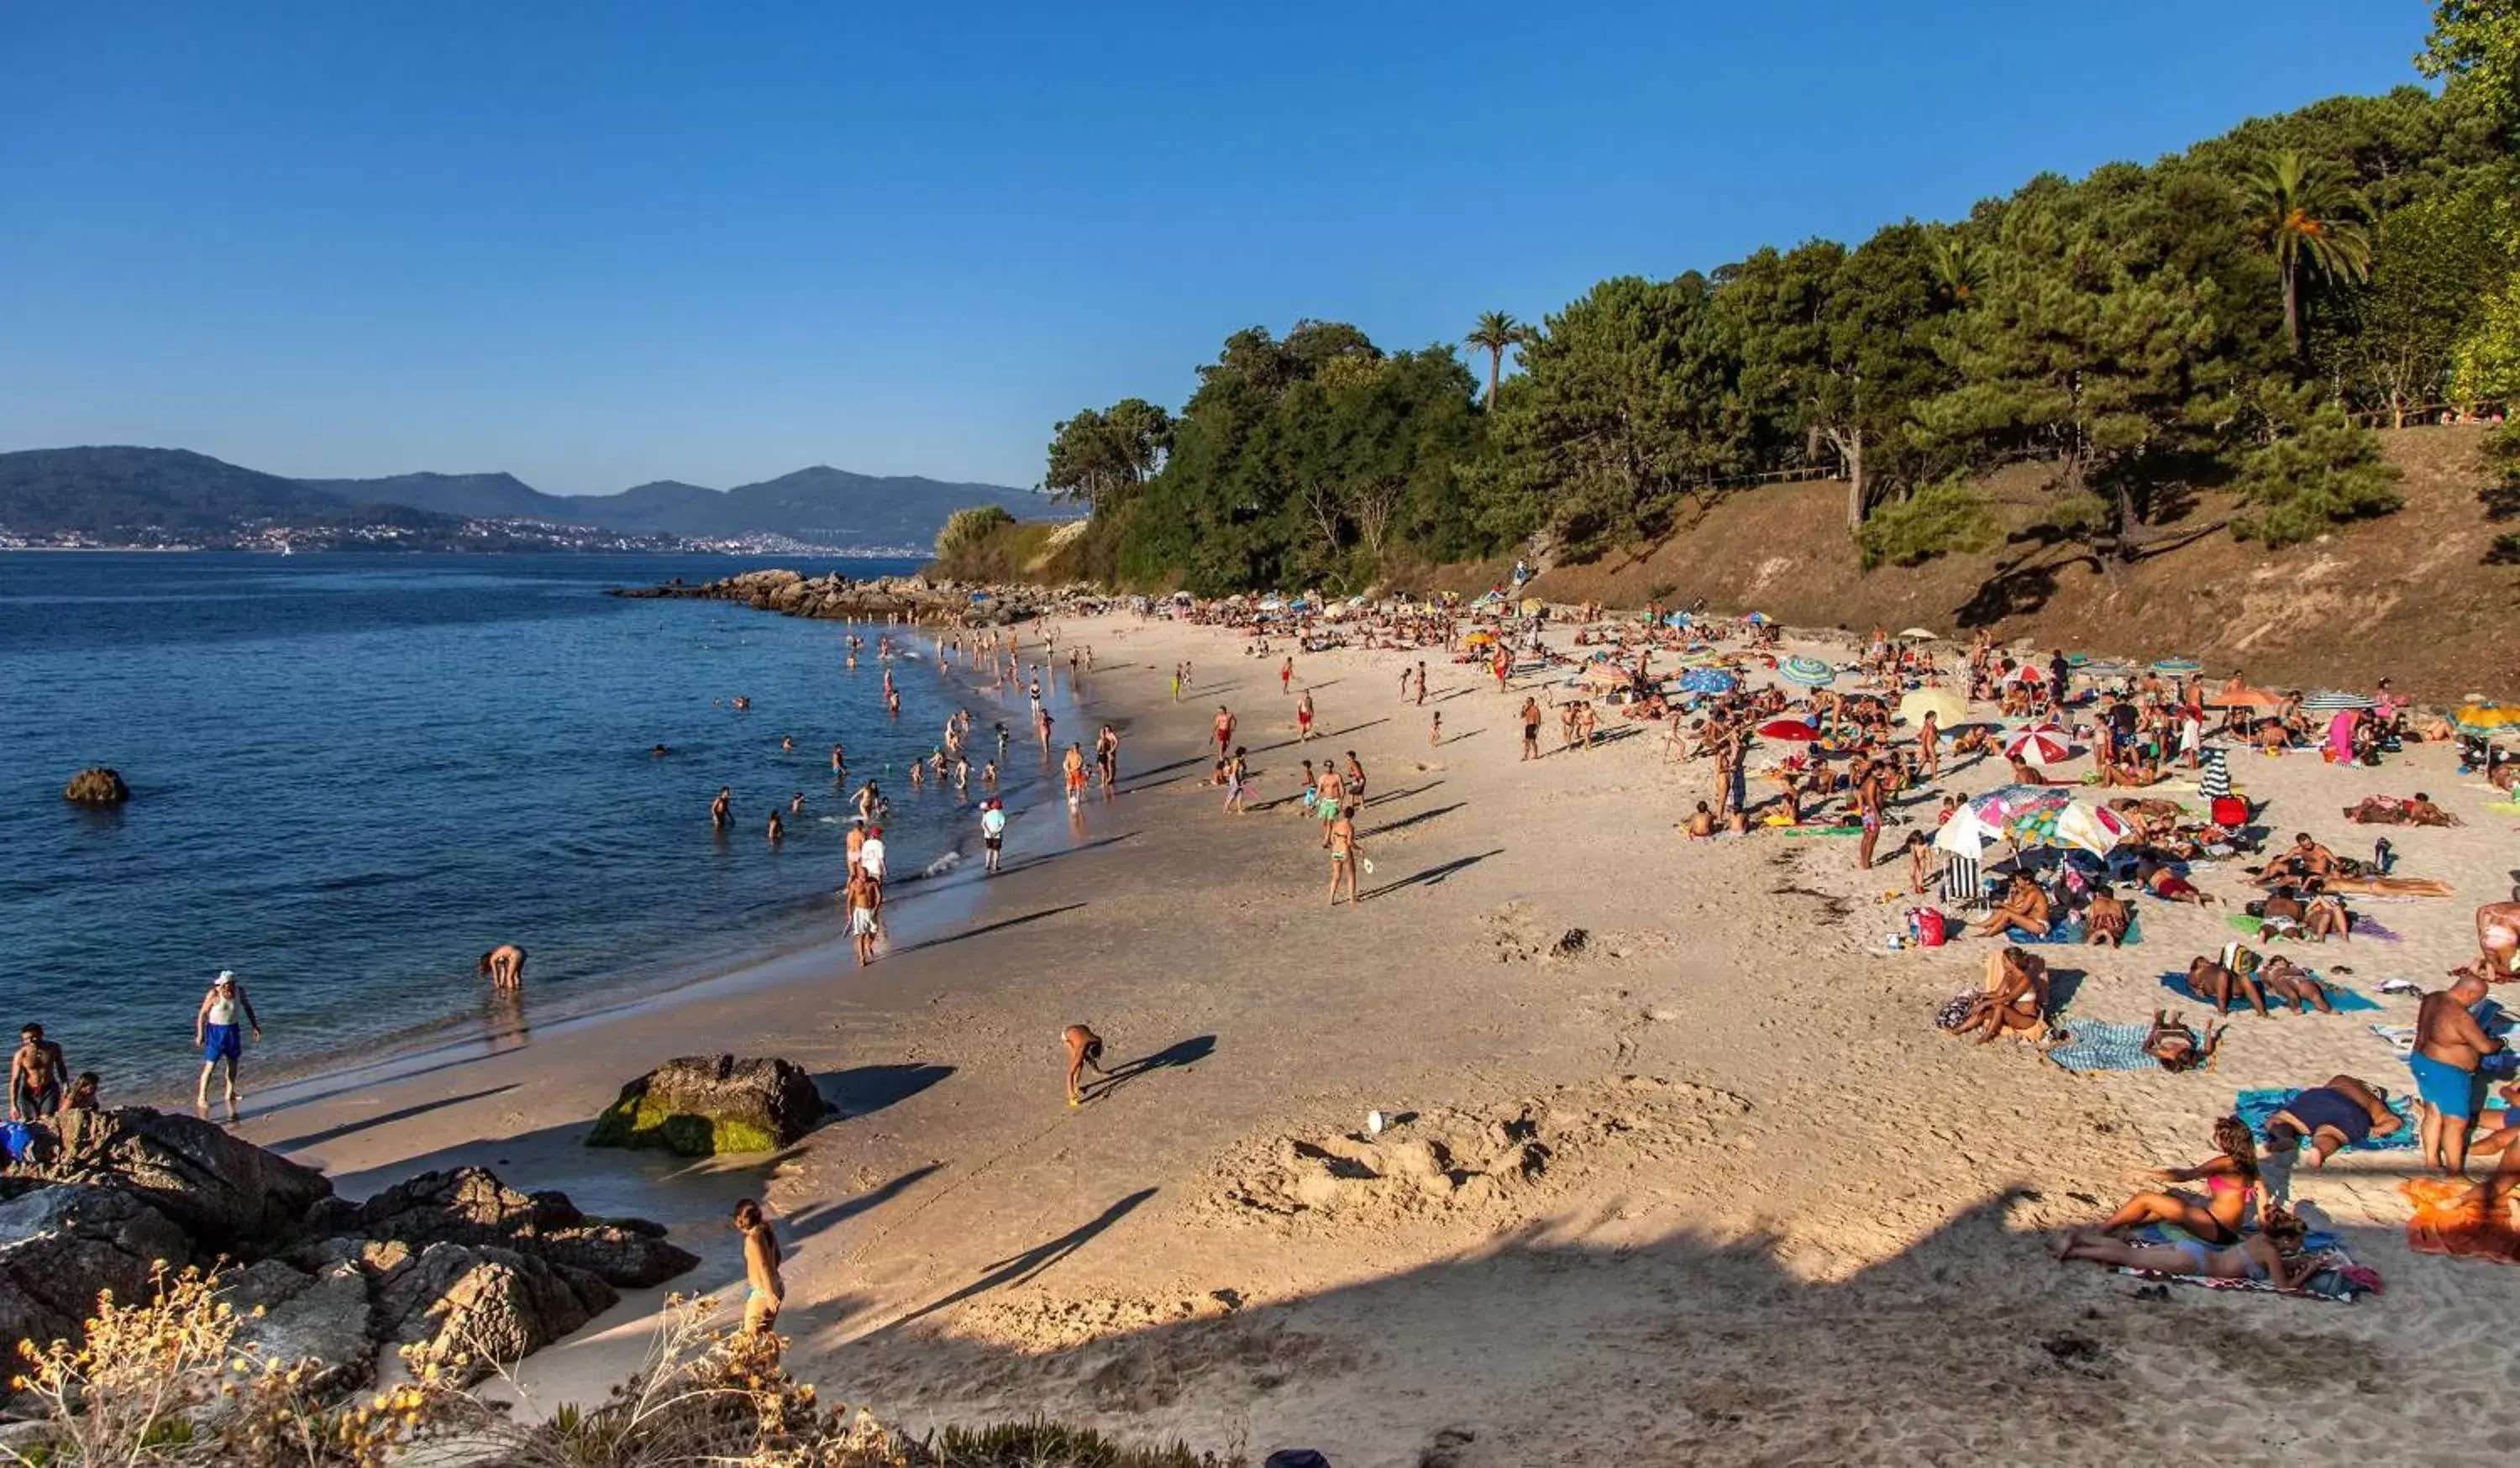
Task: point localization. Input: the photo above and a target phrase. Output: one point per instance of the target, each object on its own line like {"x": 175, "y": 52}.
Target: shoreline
{"x": 1760, "y": 1163}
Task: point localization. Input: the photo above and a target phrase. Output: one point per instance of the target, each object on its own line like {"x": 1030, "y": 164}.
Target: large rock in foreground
{"x": 96, "y": 785}
{"x": 701, "y": 1105}
{"x": 473, "y": 1207}
{"x": 224, "y": 1191}
{"x": 61, "y": 1246}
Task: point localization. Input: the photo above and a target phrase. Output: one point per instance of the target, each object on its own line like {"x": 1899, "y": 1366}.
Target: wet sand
{"x": 1711, "y": 1187}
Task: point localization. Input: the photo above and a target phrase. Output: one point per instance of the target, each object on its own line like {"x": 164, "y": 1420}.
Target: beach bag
{"x": 18, "y": 1140}
{"x": 1926, "y": 923}
{"x": 2231, "y": 812}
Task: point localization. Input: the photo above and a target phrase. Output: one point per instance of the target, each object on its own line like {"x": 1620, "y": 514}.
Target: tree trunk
{"x": 1496, "y": 369}
{"x": 1857, "y": 493}
{"x": 2292, "y": 306}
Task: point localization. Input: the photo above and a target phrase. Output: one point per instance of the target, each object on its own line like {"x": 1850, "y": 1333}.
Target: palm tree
{"x": 1960, "y": 268}
{"x": 2295, "y": 210}
{"x": 1497, "y": 333}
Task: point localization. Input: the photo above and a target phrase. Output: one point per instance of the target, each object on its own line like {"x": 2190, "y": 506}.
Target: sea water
{"x": 352, "y": 774}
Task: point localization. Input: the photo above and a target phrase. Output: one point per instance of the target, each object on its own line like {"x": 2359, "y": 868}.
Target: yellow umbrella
{"x": 2486, "y": 718}
{"x": 1946, "y": 705}
{"x": 1531, "y": 606}
{"x": 1478, "y": 640}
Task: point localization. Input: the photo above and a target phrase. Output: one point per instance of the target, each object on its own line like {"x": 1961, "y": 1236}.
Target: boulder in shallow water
{"x": 701, "y": 1105}
{"x": 96, "y": 785}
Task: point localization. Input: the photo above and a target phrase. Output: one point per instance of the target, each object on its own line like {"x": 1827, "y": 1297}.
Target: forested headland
{"x": 2230, "y": 320}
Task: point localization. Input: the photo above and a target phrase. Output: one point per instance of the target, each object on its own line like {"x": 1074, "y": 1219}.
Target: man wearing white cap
{"x": 221, "y": 1037}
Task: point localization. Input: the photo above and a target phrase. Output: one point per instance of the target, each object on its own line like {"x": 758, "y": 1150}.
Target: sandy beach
{"x": 1709, "y": 1185}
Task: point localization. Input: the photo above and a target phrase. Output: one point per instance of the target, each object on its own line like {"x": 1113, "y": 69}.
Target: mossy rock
{"x": 699, "y": 1106}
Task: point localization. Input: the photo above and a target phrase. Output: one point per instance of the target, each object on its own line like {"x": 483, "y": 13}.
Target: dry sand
{"x": 1711, "y": 1187}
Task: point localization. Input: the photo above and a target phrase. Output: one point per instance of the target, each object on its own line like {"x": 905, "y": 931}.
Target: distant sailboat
{"x": 287, "y": 550}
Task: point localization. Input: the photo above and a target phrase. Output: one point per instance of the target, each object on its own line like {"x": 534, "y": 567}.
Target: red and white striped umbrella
{"x": 2027, "y": 673}
{"x": 2042, "y": 745}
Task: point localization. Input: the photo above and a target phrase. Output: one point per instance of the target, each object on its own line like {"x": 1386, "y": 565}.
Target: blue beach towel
{"x": 2255, "y": 1106}
{"x": 2097, "y": 1045}
{"x": 2071, "y": 932}
{"x": 2346, "y": 1001}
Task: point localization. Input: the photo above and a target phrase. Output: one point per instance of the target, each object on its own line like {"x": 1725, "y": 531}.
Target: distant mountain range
{"x": 144, "y": 496}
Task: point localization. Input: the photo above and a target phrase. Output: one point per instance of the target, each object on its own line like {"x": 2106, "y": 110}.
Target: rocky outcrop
{"x": 96, "y": 785}
{"x": 471, "y": 1206}
{"x": 61, "y": 1246}
{"x": 895, "y": 599}
{"x": 701, "y": 1105}
{"x": 227, "y": 1194}
{"x": 457, "y": 1258}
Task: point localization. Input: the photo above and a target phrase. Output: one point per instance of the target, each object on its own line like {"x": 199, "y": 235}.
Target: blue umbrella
{"x": 2178, "y": 667}
{"x": 1708, "y": 681}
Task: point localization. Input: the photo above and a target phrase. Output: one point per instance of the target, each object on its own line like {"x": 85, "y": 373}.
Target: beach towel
{"x": 1819, "y": 830}
{"x": 2095, "y": 1044}
{"x": 2504, "y": 808}
{"x": 2071, "y": 932}
{"x": 2399, "y": 1038}
{"x": 2346, "y": 1001}
{"x": 2255, "y": 1108}
{"x": 2447, "y": 1221}
{"x": 2341, "y": 1282}
{"x": 2372, "y": 928}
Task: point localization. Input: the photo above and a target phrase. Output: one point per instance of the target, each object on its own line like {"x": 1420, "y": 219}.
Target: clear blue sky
{"x": 598, "y": 243}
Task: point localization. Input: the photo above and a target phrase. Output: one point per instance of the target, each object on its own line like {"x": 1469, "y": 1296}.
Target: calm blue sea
{"x": 352, "y": 774}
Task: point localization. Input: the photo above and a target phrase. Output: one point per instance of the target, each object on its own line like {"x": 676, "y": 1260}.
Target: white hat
{"x": 226, "y": 976}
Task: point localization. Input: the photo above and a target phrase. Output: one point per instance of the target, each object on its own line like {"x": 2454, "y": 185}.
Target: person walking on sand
{"x": 503, "y": 966}
{"x": 1304, "y": 717}
{"x": 1234, "y": 773}
{"x": 865, "y": 895}
{"x": 1286, "y": 677}
{"x": 1867, "y": 810}
{"x": 871, "y": 856}
{"x": 1422, "y": 684}
{"x": 1930, "y": 743}
{"x": 764, "y": 1289}
{"x": 221, "y": 1039}
{"x": 1435, "y": 730}
{"x": 1074, "y": 768}
{"x": 1223, "y": 729}
{"x": 1531, "y": 719}
{"x": 1345, "y": 854}
{"x": 1106, "y": 757}
{"x": 35, "y": 1075}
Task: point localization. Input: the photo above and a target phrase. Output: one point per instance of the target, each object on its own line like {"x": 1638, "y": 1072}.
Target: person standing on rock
{"x": 764, "y": 1289}
{"x": 221, "y": 1039}
{"x": 35, "y": 1076}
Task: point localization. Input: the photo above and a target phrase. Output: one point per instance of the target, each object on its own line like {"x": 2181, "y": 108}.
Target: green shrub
{"x": 2308, "y": 480}
{"x": 1948, "y": 518}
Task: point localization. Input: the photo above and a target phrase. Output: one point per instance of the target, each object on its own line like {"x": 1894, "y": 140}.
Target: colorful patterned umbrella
{"x": 1708, "y": 681}
{"x": 2177, "y": 667}
{"x": 1789, "y": 728}
{"x": 2486, "y": 719}
{"x": 2336, "y": 700}
{"x": 1810, "y": 672}
{"x": 2042, "y": 744}
{"x": 1946, "y": 705}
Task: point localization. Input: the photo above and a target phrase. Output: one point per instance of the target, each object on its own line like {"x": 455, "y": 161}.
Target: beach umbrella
{"x": 2027, "y": 673}
{"x": 2244, "y": 697}
{"x": 2042, "y": 744}
{"x": 1946, "y": 705}
{"x": 2215, "y": 781}
{"x": 2336, "y": 700}
{"x": 1479, "y": 640}
{"x": 1757, "y": 619}
{"x": 2177, "y": 667}
{"x": 2484, "y": 720}
{"x": 2096, "y": 830}
{"x": 1920, "y": 634}
{"x": 1809, "y": 672}
{"x": 1708, "y": 681}
{"x": 1789, "y": 728}
{"x": 2024, "y": 815}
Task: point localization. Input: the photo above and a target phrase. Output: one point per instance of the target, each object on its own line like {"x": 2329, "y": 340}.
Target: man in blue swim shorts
{"x": 2449, "y": 1045}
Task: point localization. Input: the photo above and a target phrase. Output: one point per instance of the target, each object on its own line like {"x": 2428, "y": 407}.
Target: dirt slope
{"x": 2408, "y": 596}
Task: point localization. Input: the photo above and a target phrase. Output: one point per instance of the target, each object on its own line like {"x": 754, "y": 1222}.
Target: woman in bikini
{"x": 2271, "y": 1256}
{"x": 2230, "y": 1179}
{"x": 2176, "y": 1047}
